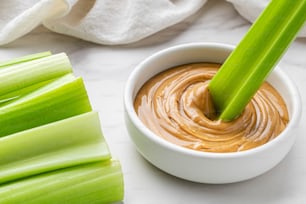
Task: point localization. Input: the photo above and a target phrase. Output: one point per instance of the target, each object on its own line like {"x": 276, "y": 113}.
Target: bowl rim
{"x": 130, "y": 111}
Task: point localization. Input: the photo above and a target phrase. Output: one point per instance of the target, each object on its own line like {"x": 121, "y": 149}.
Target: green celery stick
{"x": 60, "y": 144}
{"x": 249, "y": 64}
{"x": 39, "y": 89}
{"x": 14, "y": 95}
{"x": 65, "y": 97}
{"x": 25, "y": 59}
{"x": 33, "y": 90}
{"x": 18, "y": 76}
{"x": 98, "y": 182}
{"x": 52, "y": 149}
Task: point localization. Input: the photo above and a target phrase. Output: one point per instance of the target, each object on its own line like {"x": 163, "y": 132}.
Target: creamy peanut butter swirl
{"x": 176, "y": 105}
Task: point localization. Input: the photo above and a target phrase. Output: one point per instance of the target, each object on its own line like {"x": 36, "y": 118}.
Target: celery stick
{"x": 99, "y": 182}
{"x": 249, "y": 64}
{"x": 42, "y": 88}
{"x": 30, "y": 91}
{"x": 56, "y": 103}
{"x": 17, "y": 94}
{"x": 64, "y": 143}
{"x": 25, "y": 59}
{"x": 25, "y": 74}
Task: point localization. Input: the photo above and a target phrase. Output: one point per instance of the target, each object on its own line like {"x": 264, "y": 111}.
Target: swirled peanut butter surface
{"x": 176, "y": 105}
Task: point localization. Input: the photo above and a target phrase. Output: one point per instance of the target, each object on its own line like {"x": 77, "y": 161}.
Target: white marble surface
{"x": 105, "y": 70}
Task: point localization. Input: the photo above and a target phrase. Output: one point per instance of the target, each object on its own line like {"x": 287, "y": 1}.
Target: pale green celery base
{"x": 64, "y": 143}
{"x": 99, "y": 182}
{"x": 18, "y": 76}
{"x": 57, "y": 103}
{"x": 25, "y": 59}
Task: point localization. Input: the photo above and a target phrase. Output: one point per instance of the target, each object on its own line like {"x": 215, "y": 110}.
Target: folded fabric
{"x": 99, "y": 21}
{"x": 105, "y": 21}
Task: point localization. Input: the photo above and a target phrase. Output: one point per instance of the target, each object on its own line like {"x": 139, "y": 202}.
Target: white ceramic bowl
{"x": 201, "y": 166}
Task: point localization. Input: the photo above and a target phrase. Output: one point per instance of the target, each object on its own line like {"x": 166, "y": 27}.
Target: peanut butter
{"x": 176, "y": 105}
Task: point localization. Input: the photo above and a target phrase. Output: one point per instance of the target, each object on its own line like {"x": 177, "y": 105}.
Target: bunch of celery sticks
{"x": 52, "y": 149}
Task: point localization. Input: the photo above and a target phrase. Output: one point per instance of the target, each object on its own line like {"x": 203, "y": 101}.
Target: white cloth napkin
{"x": 105, "y": 21}
{"x": 100, "y": 21}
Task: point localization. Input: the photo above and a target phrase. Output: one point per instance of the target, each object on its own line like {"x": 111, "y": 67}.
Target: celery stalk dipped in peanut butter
{"x": 246, "y": 112}
{"x": 176, "y": 105}
{"x": 246, "y": 68}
